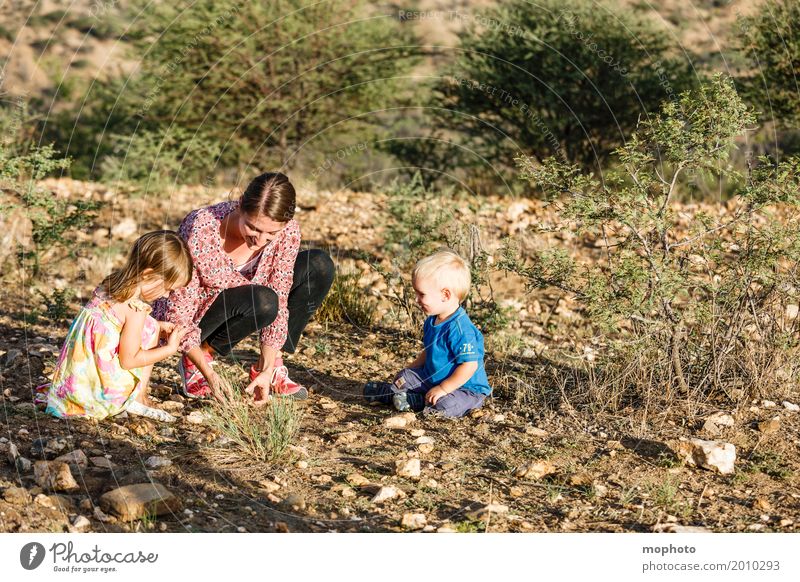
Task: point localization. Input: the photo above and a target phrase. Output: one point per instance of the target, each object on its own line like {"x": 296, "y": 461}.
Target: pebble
{"x": 409, "y": 468}
{"x": 357, "y": 480}
{"x": 295, "y": 502}
{"x": 768, "y": 404}
{"x": 425, "y": 449}
{"x": 54, "y": 475}
{"x": 487, "y": 509}
{"x": 791, "y": 407}
{"x": 535, "y": 470}
{"x": 301, "y": 465}
{"x": 80, "y": 523}
{"x": 414, "y": 521}
{"x": 515, "y": 491}
{"x": 712, "y": 455}
{"x": 717, "y": 421}
{"x": 195, "y": 417}
{"x": 348, "y": 492}
{"x": 76, "y": 460}
{"x": 446, "y": 529}
{"x": 424, "y": 440}
{"x": 770, "y": 426}
{"x": 385, "y": 493}
{"x": 241, "y": 529}
{"x": 400, "y": 420}
{"x": 156, "y": 462}
{"x": 102, "y": 462}
{"x": 417, "y": 432}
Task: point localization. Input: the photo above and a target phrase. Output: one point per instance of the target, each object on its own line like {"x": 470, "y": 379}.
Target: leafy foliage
{"x": 703, "y": 299}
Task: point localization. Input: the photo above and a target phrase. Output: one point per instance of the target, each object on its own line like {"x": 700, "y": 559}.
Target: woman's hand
{"x": 220, "y": 390}
{"x": 260, "y": 386}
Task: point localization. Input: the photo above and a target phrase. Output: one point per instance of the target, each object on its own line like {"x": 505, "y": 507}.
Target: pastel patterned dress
{"x": 88, "y": 380}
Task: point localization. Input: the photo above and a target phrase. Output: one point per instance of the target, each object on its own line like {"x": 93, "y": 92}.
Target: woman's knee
{"x": 265, "y": 305}
{"x": 320, "y": 269}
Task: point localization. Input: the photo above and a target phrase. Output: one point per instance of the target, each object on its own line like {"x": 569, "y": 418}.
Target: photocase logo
{"x": 31, "y": 555}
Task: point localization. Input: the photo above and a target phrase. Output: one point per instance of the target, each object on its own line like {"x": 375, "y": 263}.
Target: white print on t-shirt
{"x": 467, "y": 349}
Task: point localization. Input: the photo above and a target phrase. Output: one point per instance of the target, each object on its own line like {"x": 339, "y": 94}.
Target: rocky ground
{"x": 356, "y": 467}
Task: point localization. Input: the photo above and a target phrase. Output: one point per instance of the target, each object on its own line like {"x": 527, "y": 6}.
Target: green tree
{"x": 770, "y": 40}
{"x": 701, "y": 303}
{"x": 568, "y": 78}
{"x": 264, "y": 81}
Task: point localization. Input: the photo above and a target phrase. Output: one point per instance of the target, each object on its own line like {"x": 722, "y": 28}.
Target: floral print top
{"x": 214, "y": 271}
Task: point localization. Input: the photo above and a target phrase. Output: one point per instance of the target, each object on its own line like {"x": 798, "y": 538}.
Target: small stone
{"x": 717, "y": 421}
{"x": 446, "y": 529}
{"x": 281, "y": 527}
{"x": 44, "y": 501}
{"x": 516, "y": 491}
{"x": 124, "y": 229}
{"x": 86, "y": 504}
{"x": 23, "y": 465}
{"x": 162, "y": 526}
{"x": 498, "y": 418}
{"x": 76, "y": 460}
{"x": 791, "y": 407}
{"x": 54, "y": 475}
{"x": 348, "y": 492}
{"x": 385, "y": 493}
{"x": 135, "y": 501}
{"x": 677, "y": 528}
{"x": 762, "y": 504}
{"x": 346, "y": 438}
{"x": 269, "y": 486}
{"x": 156, "y": 462}
{"x": 357, "y": 480}
{"x": 409, "y": 468}
{"x": 768, "y": 404}
{"x": 301, "y": 465}
{"x": 172, "y": 407}
{"x": 429, "y": 529}
{"x": 195, "y": 417}
{"x": 141, "y": 427}
{"x": 770, "y": 426}
{"x": 323, "y": 479}
{"x": 484, "y": 510}
{"x": 102, "y": 462}
{"x": 537, "y": 432}
{"x": 786, "y": 522}
{"x": 17, "y": 496}
{"x": 414, "y": 521}
{"x": 580, "y": 479}
{"x": 295, "y": 502}
{"x": 80, "y": 523}
{"x": 535, "y": 470}
{"x": 327, "y": 404}
{"x": 424, "y": 440}
{"x": 399, "y": 420}
{"x": 712, "y": 455}
{"x": 417, "y": 432}
{"x": 13, "y": 453}
{"x": 241, "y": 529}
{"x": 425, "y": 449}
{"x": 432, "y": 483}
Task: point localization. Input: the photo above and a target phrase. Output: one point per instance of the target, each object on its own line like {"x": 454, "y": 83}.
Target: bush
{"x": 260, "y": 79}
{"x": 347, "y": 303}
{"x": 770, "y": 40}
{"x": 698, "y": 305}
{"x": 563, "y": 78}
{"x": 49, "y": 217}
{"x": 422, "y": 221}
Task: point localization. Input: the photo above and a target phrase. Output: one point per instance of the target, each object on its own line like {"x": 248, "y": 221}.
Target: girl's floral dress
{"x": 88, "y": 380}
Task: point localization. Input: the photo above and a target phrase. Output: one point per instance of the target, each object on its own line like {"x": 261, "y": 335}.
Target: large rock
{"x": 387, "y": 492}
{"x": 136, "y": 501}
{"x": 76, "y": 460}
{"x": 712, "y": 455}
{"x": 54, "y": 475}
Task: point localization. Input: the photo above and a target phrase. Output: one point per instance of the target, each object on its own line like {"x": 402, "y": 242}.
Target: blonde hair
{"x": 448, "y": 269}
{"x": 164, "y": 252}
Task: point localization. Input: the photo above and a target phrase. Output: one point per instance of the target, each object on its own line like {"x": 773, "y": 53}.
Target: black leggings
{"x": 239, "y": 311}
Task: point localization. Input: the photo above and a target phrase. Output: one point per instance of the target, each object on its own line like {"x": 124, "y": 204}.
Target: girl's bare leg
{"x": 144, "y": 388}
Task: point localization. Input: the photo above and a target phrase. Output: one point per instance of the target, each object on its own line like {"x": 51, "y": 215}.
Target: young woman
{"x": 249, "y": 276}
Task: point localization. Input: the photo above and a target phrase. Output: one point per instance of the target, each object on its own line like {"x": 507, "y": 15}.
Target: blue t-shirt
{"x": 454, "y": 341}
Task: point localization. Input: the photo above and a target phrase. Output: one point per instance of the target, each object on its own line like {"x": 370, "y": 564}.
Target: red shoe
{"x": 282, "y": 385}
{"x": 194, "y": 383}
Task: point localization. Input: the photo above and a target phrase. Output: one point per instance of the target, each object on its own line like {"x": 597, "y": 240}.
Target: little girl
{"x": 105, "y": 364}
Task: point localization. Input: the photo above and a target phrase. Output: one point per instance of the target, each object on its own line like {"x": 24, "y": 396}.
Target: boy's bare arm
{"x": 456, "y": 380}
{"x": 459, "y": 377}
{"x": 419, "y": 361}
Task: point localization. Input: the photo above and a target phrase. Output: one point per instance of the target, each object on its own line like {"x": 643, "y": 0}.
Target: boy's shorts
{"x": 410, "y": 380}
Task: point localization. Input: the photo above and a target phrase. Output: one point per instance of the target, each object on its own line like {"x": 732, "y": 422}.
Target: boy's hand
{"x": 434, "y": 394}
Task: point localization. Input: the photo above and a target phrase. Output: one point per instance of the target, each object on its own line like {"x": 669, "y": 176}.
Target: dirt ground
{"x": 606, "y": 472}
